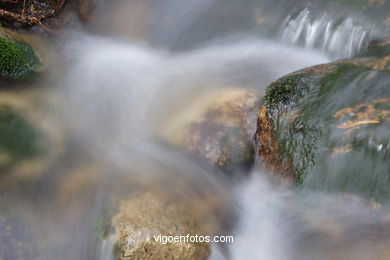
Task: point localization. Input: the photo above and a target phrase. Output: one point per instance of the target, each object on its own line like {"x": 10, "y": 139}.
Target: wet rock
{"x": 125, "y": 19}
{"x": 18, "y": 60}
{"x": 142, "y": 194}
{"x": 30, "y": 139}
{"x": 269, "y": 151}
{"x": 220, "y": 131}
{"x": 168, "y": 198}
{"x": 85, "y": 9}
{"x": 328, "y": 126}
{"x": 378, "y": 49}
{"x": 143, "y": 218}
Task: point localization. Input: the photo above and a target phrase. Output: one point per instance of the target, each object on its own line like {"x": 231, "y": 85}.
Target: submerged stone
{"x": 220, "y": 131}
{"x": 30, "y": 140}
{"x": 329, "y": 126}
{"x": 376, "y": 49}
{"x": 19, "y": 140}
{"x": 18, "y": 59}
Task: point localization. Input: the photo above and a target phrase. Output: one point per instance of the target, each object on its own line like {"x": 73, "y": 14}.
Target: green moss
{"x": 18, "y": 139}
{"x": 382, "y": 106}
{"x": 284, "y": 91}
{"x": 17, "y": 59}
{"x": 341, "y": 70}
{"x": 300, "y": 138}
{"x": 302, "y": 109}
{"x": 376, "y": 51}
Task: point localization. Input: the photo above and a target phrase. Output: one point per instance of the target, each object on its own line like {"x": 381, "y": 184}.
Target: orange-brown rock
{"x": 271, "y": 156}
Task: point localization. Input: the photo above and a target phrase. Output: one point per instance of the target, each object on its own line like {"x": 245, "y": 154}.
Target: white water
{"x": 341, "y": 38}
{"x": 280, "y": 223}
{"x": 125, "y": 92}
{"x": 118, "y": 95}
{"x": 262, "y": 232}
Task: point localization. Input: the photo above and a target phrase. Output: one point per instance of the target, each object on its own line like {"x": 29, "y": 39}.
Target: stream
{"x": 131, "y": 75}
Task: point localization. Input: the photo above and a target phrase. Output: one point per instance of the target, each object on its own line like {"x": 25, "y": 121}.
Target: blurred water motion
{"x": 126, "y": 76}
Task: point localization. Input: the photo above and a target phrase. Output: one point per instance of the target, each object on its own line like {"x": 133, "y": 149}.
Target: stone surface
{"x": 31, "y": 138}
{"x": 147, "y": 215}
{"x": 330, "y": 126}
{"x": 221, "y": 130}
{"x": 125, "y": 19}
{"x": 18, "y": 60}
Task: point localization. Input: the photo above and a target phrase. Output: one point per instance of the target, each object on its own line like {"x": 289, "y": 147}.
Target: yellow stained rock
{"x": 147, "y": 215}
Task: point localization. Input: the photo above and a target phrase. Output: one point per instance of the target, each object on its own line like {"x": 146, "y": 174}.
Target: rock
{"x": 125, "y": 19}
{"x": 142, "y": 194}
{"x": 30, "y": 139}
{"x": 143, "y": 218}
{"x": 18, "y": 60}
{"x": 376, "y": 49}
{"x": 168, "y": 196}
{"x": 269, "y": 151}
{"x": 221, "y": 129}
{"x": 85, "y": 9}
{"x": 327, "y": 127}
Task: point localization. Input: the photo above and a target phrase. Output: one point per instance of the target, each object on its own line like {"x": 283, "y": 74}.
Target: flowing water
{"x": 340, "y": 38}
{"x": 127, "y": 76}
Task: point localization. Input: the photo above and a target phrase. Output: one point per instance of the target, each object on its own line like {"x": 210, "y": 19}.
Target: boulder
{"x": 140, "y": 198}
{"x": 85, "y": 9}
{"x": 125, "y": 19}
{"x": 377, "y": 49}
{"x": 145, "y": 217}
{"x": 221, "y": 129}
{"x": 18, "y": 60}
{"x": 30, "y": 137}
{"x": 327, "y": 127}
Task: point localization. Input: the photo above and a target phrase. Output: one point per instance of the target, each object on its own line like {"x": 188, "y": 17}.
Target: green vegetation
{"x": 285, "y": 91}
{"x": 376, "y": 50}
{"x": 17, "y": 59}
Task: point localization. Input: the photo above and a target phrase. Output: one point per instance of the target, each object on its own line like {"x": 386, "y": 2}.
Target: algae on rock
{"x": 331, "y": 123}
{"x": 17, "y": 58}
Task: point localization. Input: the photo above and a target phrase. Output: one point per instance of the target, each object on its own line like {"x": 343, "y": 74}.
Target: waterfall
{"x": 341, "y": 38}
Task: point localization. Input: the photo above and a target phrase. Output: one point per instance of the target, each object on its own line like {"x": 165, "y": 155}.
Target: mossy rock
{"x": 30, "y": 140}
{"x": 376, "y": 49}
{"x": 18, "y": 59}
{"x": 19, "y": 140}
{"x": 328, "y": 126}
